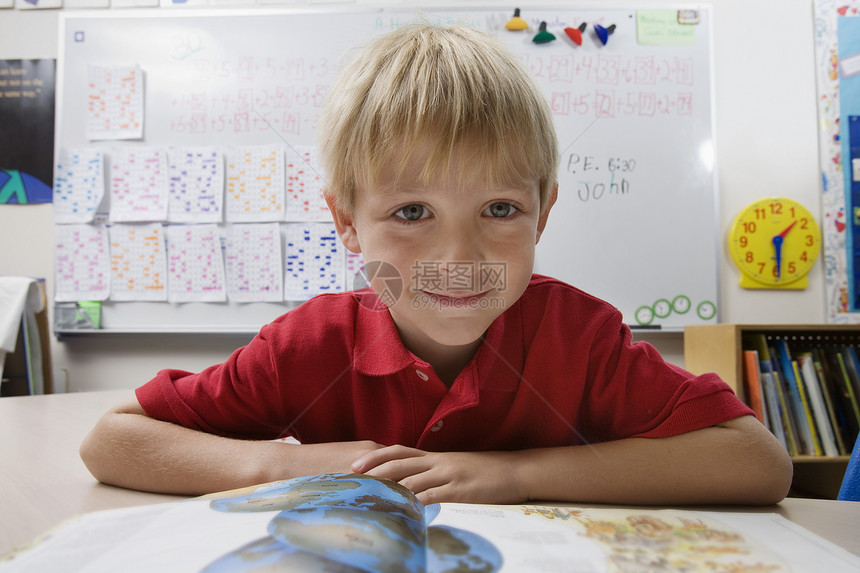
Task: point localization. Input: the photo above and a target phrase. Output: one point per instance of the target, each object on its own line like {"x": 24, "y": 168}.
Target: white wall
{"x": 766, "y": 139}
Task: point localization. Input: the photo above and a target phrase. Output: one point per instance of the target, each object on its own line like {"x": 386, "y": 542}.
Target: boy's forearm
{"x": 134, "y": 451}
{"x": 129, "y": 449}
{"x": 738, "y": 462}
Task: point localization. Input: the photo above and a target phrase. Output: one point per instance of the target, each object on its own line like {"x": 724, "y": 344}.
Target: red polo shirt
{"x": 557, "y": 368}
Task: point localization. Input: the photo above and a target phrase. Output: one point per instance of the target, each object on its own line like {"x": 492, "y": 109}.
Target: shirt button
{"x": 437, "y": 426}
{"x": 422, "y": 375}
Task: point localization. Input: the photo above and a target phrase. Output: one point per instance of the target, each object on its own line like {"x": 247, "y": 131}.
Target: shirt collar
{"x": 379, "y": 351}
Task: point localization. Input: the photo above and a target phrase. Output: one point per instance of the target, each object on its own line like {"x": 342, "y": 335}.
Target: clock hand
{"x": 787, "y": 229}
{"x": 777, "y": 246}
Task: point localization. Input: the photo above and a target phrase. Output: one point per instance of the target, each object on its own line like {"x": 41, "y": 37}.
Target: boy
{"x": 468, "y": 378}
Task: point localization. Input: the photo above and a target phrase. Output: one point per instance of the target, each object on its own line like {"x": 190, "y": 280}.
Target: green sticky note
{"x": 663, "y": 28}
{"x": 90, "y": 311}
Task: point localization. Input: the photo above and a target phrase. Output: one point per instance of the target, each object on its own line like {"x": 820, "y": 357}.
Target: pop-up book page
{"x": 195, "y": 266}
{"x": 305, "y": 184}
{"x": 81, "y": 263}
{"x": 79, "y": 185}
{"x": 314, "y": 260}
{"x": 138, "y": 262}
{"x": 115, "y": 102}
{"x": 138, "y": 184}
{"x": 253, "y": 262}
{"x": 255, "y": 184}
{"x": 196, "y": 185}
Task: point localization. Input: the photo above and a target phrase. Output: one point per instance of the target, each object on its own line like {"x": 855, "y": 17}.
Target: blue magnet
{"x": 603, "y": 33}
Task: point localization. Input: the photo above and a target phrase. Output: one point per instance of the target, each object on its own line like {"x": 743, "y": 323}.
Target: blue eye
{"x": 500, "y": 210}
{"x": 411, "y": 212}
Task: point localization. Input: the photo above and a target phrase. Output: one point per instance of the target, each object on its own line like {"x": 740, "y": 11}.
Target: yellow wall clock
{"x": 774, "y": 242}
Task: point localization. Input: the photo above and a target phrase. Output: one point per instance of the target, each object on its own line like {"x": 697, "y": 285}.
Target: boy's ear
{"x": 553, "y": 195}
{"x": 343, "y": 222}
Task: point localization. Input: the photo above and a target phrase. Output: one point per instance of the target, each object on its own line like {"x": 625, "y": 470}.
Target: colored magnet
{"x": 575, "y": 34}
{"x": 542, "y": 37}
{"x": 603, "y": 33}
{"x": 517, "y": 23}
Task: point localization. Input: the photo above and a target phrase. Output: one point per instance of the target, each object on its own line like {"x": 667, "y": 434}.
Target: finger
{"x": 425, "y": 481}
{"x": 400, "y": 469}
{"x": 373, "y": 459}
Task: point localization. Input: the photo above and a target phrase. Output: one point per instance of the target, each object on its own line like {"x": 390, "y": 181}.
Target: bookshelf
{"x": 719, "y": 348}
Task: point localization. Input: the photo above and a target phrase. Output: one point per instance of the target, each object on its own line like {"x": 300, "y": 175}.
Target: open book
{"x": 356, "y": 523}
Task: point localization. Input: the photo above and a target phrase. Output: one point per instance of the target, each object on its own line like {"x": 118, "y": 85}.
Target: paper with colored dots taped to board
{"x": 253, "y": 262}
{"x": 305, "y": 201}
{"x": 78, "y": 185}
{"x": 196, "y": 183}
{"x": 255, "y": 184}
{"x": 138, "y": 262}
{"x": 195, "y": 265}
{"x": 81, "y": 263}
{"x": 138, "y": 185}
{"x": 114, "y": 102}
{"x": 314, "y": 260}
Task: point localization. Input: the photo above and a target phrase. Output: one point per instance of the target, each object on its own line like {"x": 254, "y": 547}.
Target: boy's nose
{"x": 462, "y": 244}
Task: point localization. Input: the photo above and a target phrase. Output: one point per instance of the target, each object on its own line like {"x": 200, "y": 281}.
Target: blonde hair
{"x": 447, "y": 86}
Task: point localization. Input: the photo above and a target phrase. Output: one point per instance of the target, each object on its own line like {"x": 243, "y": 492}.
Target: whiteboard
{"x": 636, "y": 222}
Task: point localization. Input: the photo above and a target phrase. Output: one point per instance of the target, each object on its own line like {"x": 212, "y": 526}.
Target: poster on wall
{"x": 837, "y": 56}
{"x": 27, "y": 117}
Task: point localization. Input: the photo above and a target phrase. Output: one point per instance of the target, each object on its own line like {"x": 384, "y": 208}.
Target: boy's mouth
{"x": 455, "y": 299}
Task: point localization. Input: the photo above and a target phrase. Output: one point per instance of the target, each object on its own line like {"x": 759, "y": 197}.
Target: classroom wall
{"x": 766, "y": 141}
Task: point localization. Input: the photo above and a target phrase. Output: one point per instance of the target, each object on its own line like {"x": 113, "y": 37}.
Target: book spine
{"x": 774, "y": 410}
{"x": 825, "y": 379}
{"x": 807, "y": 410}
{"x": 816, "y": 403}
{"x": 806, "y": 445}
{"x": 752, "y": 383}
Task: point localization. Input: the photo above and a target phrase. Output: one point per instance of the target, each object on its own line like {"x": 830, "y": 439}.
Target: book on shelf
{"x": 815, "y": 397}
{"x": 752, "y": 386}
{"x": 810, "y": 390}
{"x": 782, "y": 423}
{"x": 357, "y": 523}
{"x": 825, "y": 378}
{"x": 845, "y": 394}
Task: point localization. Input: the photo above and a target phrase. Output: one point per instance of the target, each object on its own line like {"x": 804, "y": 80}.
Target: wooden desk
{"x": 43, "y": 481}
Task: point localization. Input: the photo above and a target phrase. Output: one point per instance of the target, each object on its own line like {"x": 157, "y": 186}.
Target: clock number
{"x": 803, "y": 257}
{"x": 776, "y": 208}
{"x": 792, "y": 268}
{"x": 743, "y": 242}
{"x": 761, "y": 267}
{"x": 810, "y": 240}
{"x": 804, "y": 223}
{"x": 749, "y": 227}
{"x": 748, "y": 256}
{"x": 760, "y": 214}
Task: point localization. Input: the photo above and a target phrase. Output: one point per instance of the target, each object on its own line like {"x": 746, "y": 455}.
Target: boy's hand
{"x": 465, "y": 477}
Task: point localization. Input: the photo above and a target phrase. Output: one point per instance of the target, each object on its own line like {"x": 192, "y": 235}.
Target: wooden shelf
{"x": 719, "y": 348}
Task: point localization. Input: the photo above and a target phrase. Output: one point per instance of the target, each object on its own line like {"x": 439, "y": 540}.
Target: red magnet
{"x": 575, "y": 34}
